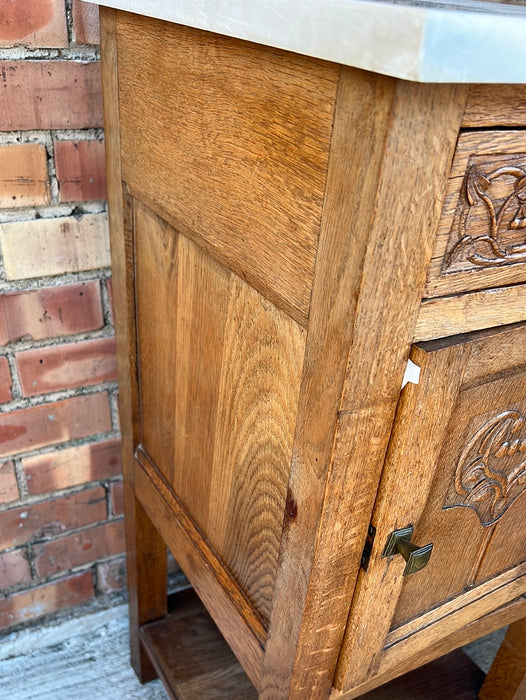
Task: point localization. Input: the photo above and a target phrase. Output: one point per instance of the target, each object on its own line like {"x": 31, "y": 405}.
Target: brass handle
{"x": 399, "y": 542}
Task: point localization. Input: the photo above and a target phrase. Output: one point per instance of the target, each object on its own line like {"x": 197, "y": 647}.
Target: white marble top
{"x": 423, "y": 40}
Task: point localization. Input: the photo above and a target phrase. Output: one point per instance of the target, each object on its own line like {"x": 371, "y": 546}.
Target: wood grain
{"x": 453, "y": 675}
{"x": 439, "y": 425}
{"x": 379, "y": 587}
{"x": 455, "y": 605}
{"x": 481, "y": 240}
{"x": 229, "y": 609}
{"x": 247, "y": 130}
{"x": 506, "y": 679}
{"x": 201, "y": 664}
{"x": 475, "y": 555}
{"x": 315, "y": 563}
{"x": 146, "y": 560}
{"x": 472, "y": 311}
{"x": 452, "y": 640}
{"x": 220, "y": 428}
{"x": 495, "y": 106}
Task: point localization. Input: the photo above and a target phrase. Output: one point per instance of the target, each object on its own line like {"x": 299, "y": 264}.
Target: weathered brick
{"x": 111, "y": 575}
{"x": 80, "y": 169}
{"x": 55, "y": 246}
{"x": 43, "y": 370}
{"x": 49, "y": 424}
{"x": 72, "y": 467}
{"x": 42, "y": 600}
{"x": 80, "y": 548}
{"x": 23, "y": 175}
{"x": 51, "y": 311}
{"x": 36, "y": 521}
{"x": 5, "y": 381}
{"x": 50, "y": 95}
{"x": 14, "y": 568}
{"x": 86, "y": 22}
{"x": 117, "y": 498}
{"x": 33, "y": 24}
{"x": 8, "y": 484}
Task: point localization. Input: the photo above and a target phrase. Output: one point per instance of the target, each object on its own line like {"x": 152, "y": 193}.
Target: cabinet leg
{"x": 506, "y": 679}
{"x": 147, "y": 584}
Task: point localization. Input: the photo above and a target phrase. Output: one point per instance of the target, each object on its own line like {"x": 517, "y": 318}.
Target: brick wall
{"x": 61, "y": 529}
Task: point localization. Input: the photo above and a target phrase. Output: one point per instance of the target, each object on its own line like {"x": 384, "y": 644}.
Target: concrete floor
{"x": 82, "y": 659}
{"x": 87, "y": 659}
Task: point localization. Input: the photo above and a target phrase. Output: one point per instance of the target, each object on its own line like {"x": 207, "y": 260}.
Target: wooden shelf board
{"x": 454, "y": 675}
{"x": 190, "y": 655}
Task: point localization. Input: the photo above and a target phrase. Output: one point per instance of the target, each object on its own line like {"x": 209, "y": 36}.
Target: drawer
{"x": 481, "y": 239}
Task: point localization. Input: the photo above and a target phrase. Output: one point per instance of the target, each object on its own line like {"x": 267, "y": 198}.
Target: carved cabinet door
{"x": 456, "y": 472}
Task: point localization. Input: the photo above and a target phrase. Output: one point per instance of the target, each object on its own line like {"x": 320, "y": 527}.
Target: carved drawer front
{"x": 481, "y": 241}
{"x": 456, "y": 472}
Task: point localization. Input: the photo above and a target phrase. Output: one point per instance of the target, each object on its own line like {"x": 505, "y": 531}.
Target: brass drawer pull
{"x": 399, "y": 542}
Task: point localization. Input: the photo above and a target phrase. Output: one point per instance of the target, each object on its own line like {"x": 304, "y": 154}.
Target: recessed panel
{"x": 219, "y": 372}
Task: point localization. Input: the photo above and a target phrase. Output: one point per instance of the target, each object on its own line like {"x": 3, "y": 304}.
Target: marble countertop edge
{"x": 421, "y": 42}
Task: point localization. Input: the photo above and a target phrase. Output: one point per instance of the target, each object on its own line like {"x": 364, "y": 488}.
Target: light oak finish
{"x": 248, "y": 124}
{"x": 146, "y": 550}
{"x": 495, "y": 106}
{"x": 273, "y": 222}
{"x": 481, "y": 240}
{"x": 506, "y": 678}
{"x": 472, "y": 311}
{"x": 472, "y": 421}
{"x": 200, "y": 665}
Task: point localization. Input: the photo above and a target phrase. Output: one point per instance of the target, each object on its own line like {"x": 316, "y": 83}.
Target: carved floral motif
{"x": 490, "y": 225}
{"x": 491, "y": 472}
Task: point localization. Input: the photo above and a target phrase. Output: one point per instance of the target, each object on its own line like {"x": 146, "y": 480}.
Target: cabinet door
{"x": 456, "y": 472}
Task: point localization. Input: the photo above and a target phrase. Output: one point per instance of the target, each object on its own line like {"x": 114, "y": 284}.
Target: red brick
{"x": 33, "y": 23}
{"x": 43, "y": 370}
{"x": 49, "y": 424}
{"x": 50, "y": 95}
{"x": 80, "y": 168}
{"x": 72, "y": 467}
{"x": 8, "y": 484}
{"x": 14, "y": 569}
{"x": 81, "y": 548}
{"x": 50, "y": 312}
{"x": 5, "y": 381}
{"x": 48, "y": 518}
{"x": 117, "y": 498}
{"x": 23, "y": 175}
{"x": 111, "y": 575}
{"x": 86, "y": 22}
{"x": 34, "y": 603}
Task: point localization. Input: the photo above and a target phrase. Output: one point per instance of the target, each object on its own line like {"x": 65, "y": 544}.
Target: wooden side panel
{"x": 481, "y": 241}
{"x": 146, "y": 552}
{"x": 220, "y": 369}
{"x": 241, "y": 134}
{"x": 495, "y": 106}
{"x": 506, "y": 679}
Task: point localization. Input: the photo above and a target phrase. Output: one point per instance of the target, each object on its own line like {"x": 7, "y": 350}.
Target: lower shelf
{"x": 191, "y": 656}
{"x": 453, "y": 676}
